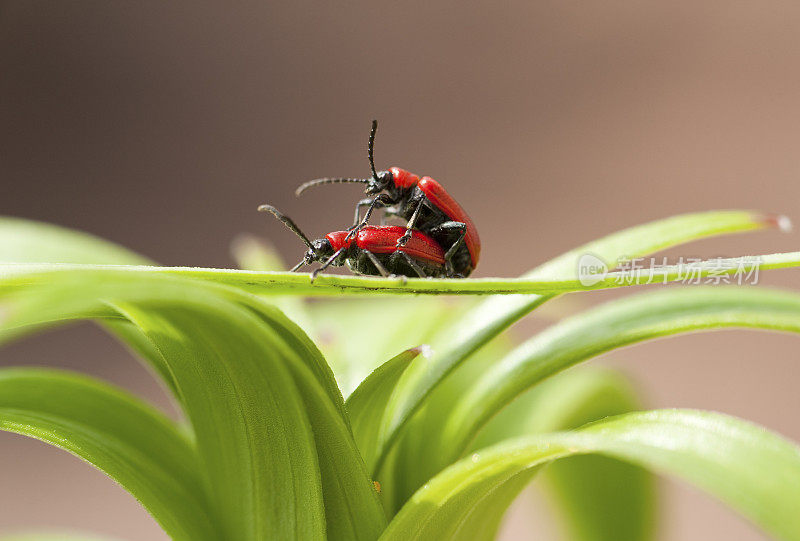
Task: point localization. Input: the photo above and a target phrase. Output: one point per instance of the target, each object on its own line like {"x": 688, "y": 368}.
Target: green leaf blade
{"x": 118, "y": 434}
{"x": 597, "y": 498}
{"x": 253, "y": 434}
{"x": 749, "y": 468}
{"x": 616, "y": 324}
{"x": 367, "y": 404}
{"x": 278, "y": 452}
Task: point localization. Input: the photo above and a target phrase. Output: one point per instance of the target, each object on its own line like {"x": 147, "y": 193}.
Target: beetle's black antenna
{"x": 318, "y": 181}
{"x": 371, "y": 149}
{"x": 287, "y": 222}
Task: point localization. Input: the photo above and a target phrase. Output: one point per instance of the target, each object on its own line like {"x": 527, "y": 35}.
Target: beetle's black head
{"x": 381, "y": 181}
{"x": 320, "y": 249}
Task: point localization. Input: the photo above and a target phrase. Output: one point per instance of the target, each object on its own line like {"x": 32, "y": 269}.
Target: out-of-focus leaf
{"x": 118, "y": 434}
{"x": 754, "y": 471}
{"x": 27, "y": 241}
{"x": 358, "y": 335}
{"x": 252, "y": 253}
{"x": 599, "y": 498}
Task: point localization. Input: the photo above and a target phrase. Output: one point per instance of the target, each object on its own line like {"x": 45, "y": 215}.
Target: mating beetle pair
{"x": 439, "y": 238}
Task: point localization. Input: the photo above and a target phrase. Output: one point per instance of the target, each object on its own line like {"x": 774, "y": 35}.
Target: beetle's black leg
{"x": 410, "y": 225}
{"x": 461, "y": 229}
{"x": 377, "y": 263}
{"x": 411, "y": 263}
{"x": 363, "y": 203}
{"x": 381, "y": 200}
{"x": 327, "y": 263}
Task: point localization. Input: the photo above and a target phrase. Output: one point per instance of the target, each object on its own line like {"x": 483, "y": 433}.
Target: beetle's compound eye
{"x": 375, "y": 185}
{"x": 322, "y": 249}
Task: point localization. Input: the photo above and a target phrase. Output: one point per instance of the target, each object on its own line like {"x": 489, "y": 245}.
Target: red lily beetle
{"x": 373, "y": 250}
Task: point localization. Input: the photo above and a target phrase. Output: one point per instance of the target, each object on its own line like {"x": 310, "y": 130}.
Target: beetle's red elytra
{"x": 383, "y": 240}
{"x": 437, "y": 195}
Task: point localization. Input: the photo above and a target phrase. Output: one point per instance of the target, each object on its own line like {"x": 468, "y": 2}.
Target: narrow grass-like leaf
{"x": 752, "y": 470}
{"x": 598, "y": 498}
{"x": 592, "y": 508}
{"x": 367, "y": 404}
{"x": 612, "y": 325}
{"x": 411, "y": 464}
{"x": 289, "y": 283}
{"x": 142, "y": 348}
{"x": 117, "y": 433}
{"x": 486, "y": 320}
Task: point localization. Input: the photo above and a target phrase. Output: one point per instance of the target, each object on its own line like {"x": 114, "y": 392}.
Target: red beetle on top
{"x": 424, "y": 203}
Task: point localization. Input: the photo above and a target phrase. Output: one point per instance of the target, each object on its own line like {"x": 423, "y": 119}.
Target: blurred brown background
{"x": 162, "y": 127}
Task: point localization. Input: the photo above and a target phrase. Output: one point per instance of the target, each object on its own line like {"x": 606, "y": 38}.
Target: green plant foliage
{"x": 115, "y": 432}
{"x": 368, "y": 402}
{"x": 489, "y": 318}
{"x": 599, "y": 498}
{"x": 271, "y": 450}
{"x": 741, "y": 464}
{"x": 614, "y": 325}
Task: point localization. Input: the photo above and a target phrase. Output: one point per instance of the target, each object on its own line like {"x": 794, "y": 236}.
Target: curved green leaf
{"x": 117, "y": 433}
{"x": 352, "y": 508}
{"x": 28, "y": 241}
{"x": 754, "y": 471}
{"x": 367, "y": 404}
{"x": 253, "y": 433}
{"x": 486, "y": 320}
{"x": 413, "y": 321}
{"x": 599, "y": 498}
{"x": 235, "y": 352}
{"x": 613, "y": 325}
